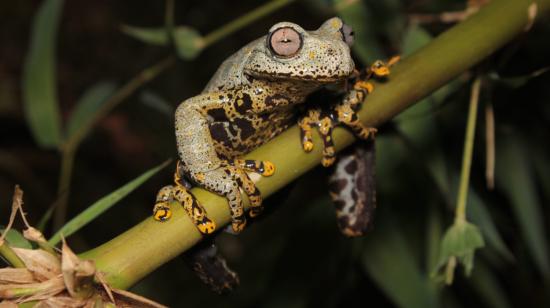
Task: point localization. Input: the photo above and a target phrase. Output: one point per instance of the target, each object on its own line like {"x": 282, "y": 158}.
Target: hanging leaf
{"x": 39, "y": 76}
{"x": 151, "y": 36}
{"x": 458, "y": 247}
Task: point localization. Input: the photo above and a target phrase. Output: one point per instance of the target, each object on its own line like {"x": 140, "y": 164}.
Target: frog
{"x": 253, "y": 97}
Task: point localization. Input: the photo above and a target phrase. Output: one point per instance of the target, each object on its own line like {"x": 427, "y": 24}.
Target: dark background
{"x": 294, "y": 256}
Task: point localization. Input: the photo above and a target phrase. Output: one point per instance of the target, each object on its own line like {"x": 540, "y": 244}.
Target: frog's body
{"x": 251, "y": 99}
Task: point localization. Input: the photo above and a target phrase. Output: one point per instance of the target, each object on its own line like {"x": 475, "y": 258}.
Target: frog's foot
{"x": 324, "y": 125}
{"x": 192, "y": 207}
{"x": 346, "y": 113}
{"x": 263, "y": 167}
{"x": 382, "y": 69}
{"x": 227, "y": 180}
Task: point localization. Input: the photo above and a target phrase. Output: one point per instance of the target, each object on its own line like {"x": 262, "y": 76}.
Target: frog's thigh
{"x": 352, "y": 189}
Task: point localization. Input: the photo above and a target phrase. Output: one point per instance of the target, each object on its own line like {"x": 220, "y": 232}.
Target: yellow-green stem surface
{"x": 139, "y": 251}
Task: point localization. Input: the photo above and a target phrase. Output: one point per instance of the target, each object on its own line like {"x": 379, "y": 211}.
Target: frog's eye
{"x": 347, "y": 34}
{"x": 285, "y": 42}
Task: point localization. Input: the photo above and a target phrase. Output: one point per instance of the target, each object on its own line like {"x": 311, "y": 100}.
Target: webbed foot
{"x": 228, "y": 180}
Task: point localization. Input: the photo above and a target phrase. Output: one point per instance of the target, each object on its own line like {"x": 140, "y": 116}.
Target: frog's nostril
{"x": 347, "y": 34}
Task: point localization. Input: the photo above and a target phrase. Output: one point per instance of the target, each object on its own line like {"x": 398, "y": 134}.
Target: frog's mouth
{"x": 317, "y": 78}
{"x": 316, "y": 66}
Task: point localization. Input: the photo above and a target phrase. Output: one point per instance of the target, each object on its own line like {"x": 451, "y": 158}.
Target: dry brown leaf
{"x": 8, "y": 304}
{"x": 42, "y": 264}
{"x": 32, "y": 291}
{"x": 11, "y": 275}
{"x": 33, "y": 234}
{"x": 61, "y": 301}
{"x": 78, "y": 274}
{"x": 134, "y": 300}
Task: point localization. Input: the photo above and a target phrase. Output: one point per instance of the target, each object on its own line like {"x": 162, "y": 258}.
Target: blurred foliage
{"x": 294, "y": 255}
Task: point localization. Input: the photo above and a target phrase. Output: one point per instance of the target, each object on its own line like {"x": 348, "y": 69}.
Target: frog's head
{"x": 289, "y": 52}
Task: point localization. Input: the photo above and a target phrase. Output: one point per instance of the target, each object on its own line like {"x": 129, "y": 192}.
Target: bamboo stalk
{"x": 139, "y": 251}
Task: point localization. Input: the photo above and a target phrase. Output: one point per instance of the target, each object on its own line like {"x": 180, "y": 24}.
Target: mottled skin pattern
{"x": 352, "y": 188}
{"x": 250, "y": 100}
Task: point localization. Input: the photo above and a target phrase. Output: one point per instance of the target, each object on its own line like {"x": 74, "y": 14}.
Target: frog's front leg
{"x": 201, "y": 163}
{"x": 325, "y": 124}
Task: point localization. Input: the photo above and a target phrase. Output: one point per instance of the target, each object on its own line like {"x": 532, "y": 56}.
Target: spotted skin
{"x": 352, "y": 189}
{"x": 251, "y": 99}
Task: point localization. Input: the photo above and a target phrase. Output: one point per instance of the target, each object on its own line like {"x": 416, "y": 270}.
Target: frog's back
{"x": 230, "y": 73}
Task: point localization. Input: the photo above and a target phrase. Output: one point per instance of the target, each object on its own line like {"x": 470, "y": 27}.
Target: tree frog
{"x": 252, "y": 98}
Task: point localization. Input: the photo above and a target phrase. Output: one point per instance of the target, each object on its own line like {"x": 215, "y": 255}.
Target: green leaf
{"x": 151, "y": 36}
{"x": 16, "y": 239}
{"x": 515, "y": 178}
{"x": 487, "y": 284}
{"x": 103, "y": 204}
{"x": 88, "y": 104}
{"x": 39, "y": 76}
{"x": 478, "y": 214}
{"x": 188, "y": 41}
{"x": 460, "y": 242}
{"x": 392, "y": 266}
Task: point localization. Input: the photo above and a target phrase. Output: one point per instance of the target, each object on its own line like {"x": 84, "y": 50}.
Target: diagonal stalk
{"x": 139, "y": 251}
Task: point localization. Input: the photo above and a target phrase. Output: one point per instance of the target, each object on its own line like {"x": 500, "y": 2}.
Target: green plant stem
{"x": 460, "y": 214}
{"x": 242, "y": 21}
{"x": 7, "y": 253}
{"x": 139, "y": 251}
{"x": 68, "y": 150}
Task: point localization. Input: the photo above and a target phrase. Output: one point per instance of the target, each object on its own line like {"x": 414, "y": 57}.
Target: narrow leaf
{"x": 103, "y": 204}
{"x": 514, "y": 177}
{"x": 391, "y": 265}
{"x": 88, "y": 104}
{"x": 487, "y": 284}
{"x": 16, "y": 239}
{"x": 151, "y": 36}
{"x": 39, "y": 89}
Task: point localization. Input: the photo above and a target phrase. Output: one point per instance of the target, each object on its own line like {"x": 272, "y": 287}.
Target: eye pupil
{"x": 285, "y": 42}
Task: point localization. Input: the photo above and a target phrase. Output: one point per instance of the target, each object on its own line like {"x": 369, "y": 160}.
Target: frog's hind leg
{"x": 352, "y": 189}
{"x": 192, "y": 207}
